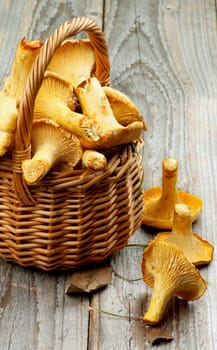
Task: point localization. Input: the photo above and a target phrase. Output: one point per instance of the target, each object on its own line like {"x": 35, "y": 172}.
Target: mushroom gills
{"x": 51, "y": 144}
{"x": 124, "y": 110}
{"x": 166, "y": 269}
{"x": 74, "y": 61}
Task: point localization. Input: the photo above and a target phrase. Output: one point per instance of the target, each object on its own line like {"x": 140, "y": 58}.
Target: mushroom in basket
{"x": 95, "y": 105}
{"x": 13, "y": 87}
{"x": 51, "y": 144}
{"x": 166, "y": 269}
{"x": 160, "y": 201}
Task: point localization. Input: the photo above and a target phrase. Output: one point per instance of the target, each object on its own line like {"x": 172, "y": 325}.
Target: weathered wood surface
{"x": 164, "y": 56}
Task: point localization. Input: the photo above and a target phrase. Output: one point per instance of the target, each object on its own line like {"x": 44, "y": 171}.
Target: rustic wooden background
{"x": 164, "y": 56}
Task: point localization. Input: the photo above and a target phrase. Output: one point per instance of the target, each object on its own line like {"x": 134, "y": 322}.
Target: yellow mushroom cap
{"x": 159, "y": 202}
{"x": 166, "y": 269}
{"x": 197, "y": 250}
{"x": 53, "y": 90}
{"x": 74, "y": 60}
{"x": 125, "y": 111}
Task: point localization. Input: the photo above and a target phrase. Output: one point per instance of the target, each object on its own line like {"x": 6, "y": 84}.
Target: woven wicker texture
{"x": 68, "y": 219}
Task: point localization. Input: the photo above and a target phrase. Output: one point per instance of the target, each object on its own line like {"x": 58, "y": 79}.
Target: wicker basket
{"x": 74, "y": 218}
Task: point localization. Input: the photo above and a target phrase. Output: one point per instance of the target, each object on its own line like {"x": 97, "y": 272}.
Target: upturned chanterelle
{"x": 166, "y": 269}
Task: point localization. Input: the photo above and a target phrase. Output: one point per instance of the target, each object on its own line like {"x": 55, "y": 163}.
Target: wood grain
{"x": 169, "y": 70}
{"x": 163, "y": 56}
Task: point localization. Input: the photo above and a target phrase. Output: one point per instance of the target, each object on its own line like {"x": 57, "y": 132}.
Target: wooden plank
{"x": 37, "y": 19}
{"x": 163, "y": 55}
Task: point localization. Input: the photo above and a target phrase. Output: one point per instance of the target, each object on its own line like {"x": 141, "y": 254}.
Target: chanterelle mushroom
{"x": 94, "y": 160}
{"x": 197, "y": 250}
{"x": 125, "y": 111}
{"x": 160, "y": 201}
{"x": 95, "y": 105}
{"x": 12, "y": 90}
{"x": 166, "y": 269}
{"x": 25, "y": 55}
{"x": 74, "y": 61}
{"x": 53, "y": 101}
{"x": 50, "y": 144}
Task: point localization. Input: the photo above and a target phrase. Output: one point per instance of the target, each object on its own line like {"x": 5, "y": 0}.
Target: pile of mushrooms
{"x": 169, "y": 261}
{"x": 75, "y": 119}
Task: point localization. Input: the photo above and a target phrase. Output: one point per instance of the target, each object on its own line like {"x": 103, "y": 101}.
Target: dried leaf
{"x": 89, "y": 280}
{"x": 157, "y": 334}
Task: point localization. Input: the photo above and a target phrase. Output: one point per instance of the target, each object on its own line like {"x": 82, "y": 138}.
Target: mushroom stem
{"x": 8, "y": 119}
{"x": 5, "y": 141}
{"x": 24, "y": 57}
{"x": 96, "y": 105}
{"x": 158, "y": 302}
{"x": 182, "y": 222}
{"x": 162, "y": 208}
{"x": 77, "y": 123}
{"x": 12, "y": 90}
{"x": 94, "y": 160}
{"x": 169, "y": 195}
{"x": 197, "y": 250}
{"x": 36, "y": 168}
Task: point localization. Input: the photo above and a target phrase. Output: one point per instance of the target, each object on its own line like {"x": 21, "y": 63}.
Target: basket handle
{"x": 22, "y": 148}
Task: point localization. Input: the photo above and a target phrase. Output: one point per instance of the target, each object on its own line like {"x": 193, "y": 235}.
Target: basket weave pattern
{"x": 67, "y": 219}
